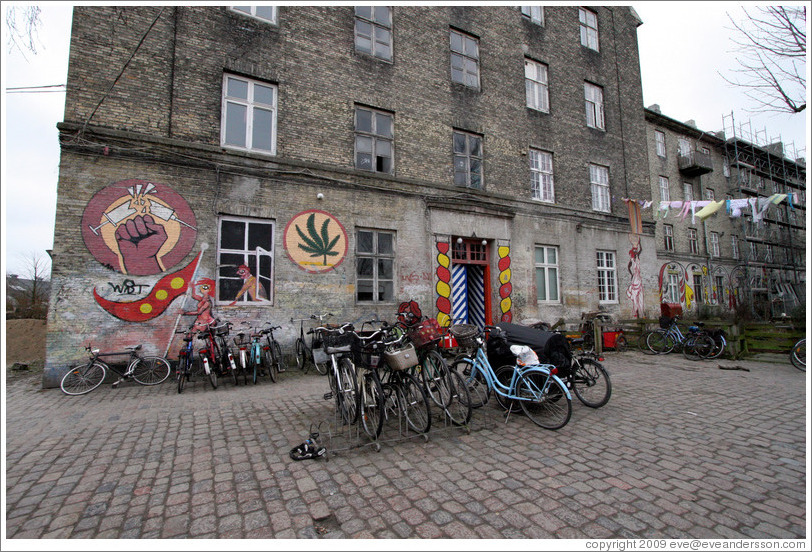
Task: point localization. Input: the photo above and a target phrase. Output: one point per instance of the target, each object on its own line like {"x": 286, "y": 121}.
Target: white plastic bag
{"x": 525, "y": 356}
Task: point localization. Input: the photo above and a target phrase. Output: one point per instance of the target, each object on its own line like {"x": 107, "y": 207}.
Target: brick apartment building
{"x": 728, "y": 260}
{"x": 274, "y": 162}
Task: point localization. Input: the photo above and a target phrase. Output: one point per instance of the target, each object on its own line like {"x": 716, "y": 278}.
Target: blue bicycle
{"x": 535, "y": 388}
{"x": 695, "y": 346}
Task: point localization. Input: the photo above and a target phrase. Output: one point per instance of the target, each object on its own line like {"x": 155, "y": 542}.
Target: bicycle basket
{"x": 426, "y": 334}
{"x": 367, "y": 355}
{"x": 401, "y": 358}
{"x": 337, "y": 343}
{"x": 465, "y": 334}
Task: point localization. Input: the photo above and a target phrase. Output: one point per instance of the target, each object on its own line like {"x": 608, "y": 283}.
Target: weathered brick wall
{"x": 161, "y": 123}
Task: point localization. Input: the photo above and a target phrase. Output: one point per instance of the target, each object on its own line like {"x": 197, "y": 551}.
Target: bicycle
{"x": 696, "y": 345}
{"x": 84, "y": 378}
{"x": 272, "y": 352}
{"x": 588, "y": 378}
{"x": 444, "y": 386}
{"x": 798, "y": 355}
{"x": 243, "y": 344}
{"x": 207, "y": 356}
{"x": 337, "y": 343}
{"x": 186, "y": 359}
{"x": 257, "y": 361}
{"x": 307, "y": 354}
{"x": 227, "y": 363}
{"x": 541, "y": 395}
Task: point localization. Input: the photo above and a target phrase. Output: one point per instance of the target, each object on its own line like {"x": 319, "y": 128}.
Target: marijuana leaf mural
{"x": 315, "y": 241}
{"x": 318, "y": 244}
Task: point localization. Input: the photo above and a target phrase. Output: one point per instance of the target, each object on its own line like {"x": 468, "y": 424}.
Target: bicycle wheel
{"x": 229, "y": 363}
{"x": 347, "y": 398}
{"x": 84, "y": 378}
{"x": 658, "y": 341}
{"x": 798, "y": 355}
{"x": 151, "y": 370}
{"x": 279, "y": 364}
{"x": 414, "y": 404}
{"x": 459, "y": 411}
{"x": 434, "y": 378}
{"x": 544, "y": 399}
{"x": 183, "y": 373}
{"x": 620, "y": 344}
{"x": 205, "y": 367}
{"x": 372, "y": 404}
{"x": 698, "y": 347}
{"x": 302, "y": 355}
{"x": 719, "y": 345}
{"x": 478, "y": 390}
{"x": 268, "y": 364}
{"x": 504, "y": 375}
{"x": 591, "y": 383}
{"x": 642, "y": 343}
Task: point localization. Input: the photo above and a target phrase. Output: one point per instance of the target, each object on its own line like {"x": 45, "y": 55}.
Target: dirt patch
{"x": 25, "y": 342}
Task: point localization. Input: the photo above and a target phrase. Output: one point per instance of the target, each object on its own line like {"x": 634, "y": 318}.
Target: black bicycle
{"x": 587, "y": 377}
{"x": 84, "y": 378}
{"x": 311, "y": 354}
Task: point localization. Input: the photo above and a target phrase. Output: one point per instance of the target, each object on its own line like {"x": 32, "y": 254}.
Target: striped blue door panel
{"x": 476, "y": 295}
{"x": 459, "y": 294}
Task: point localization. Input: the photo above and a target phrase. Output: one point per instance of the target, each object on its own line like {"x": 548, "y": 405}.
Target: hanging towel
{"x": 711, "y": 208}
{"x": 778, "y": 198}
{"x": 736, "y": 206}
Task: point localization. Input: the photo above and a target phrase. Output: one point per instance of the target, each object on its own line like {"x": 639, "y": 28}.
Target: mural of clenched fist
{"x": 138, "y": 227}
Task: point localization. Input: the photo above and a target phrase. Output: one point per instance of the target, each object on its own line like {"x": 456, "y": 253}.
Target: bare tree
{"x": 772, "y": 57}
{"x": 29, "y": 291}
{"x": 22, "y": 23}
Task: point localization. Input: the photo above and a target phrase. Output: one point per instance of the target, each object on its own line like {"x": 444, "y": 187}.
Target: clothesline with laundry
{"x": 705, "y": 208}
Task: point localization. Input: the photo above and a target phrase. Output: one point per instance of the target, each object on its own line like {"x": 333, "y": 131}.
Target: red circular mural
{"x": 138, "y": 227}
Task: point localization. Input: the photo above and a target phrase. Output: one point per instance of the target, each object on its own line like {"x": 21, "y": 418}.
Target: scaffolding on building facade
{"x": 770, "y": 279}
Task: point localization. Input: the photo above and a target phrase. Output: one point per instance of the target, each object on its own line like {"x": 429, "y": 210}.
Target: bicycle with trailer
{"x": 145, "y": 370}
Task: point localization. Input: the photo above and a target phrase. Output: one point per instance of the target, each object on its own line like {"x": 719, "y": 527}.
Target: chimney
{"x": 655, "y": 108}
{"x": 691, "y": 123}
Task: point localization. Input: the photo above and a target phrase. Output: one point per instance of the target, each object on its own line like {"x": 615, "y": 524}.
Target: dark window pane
{"x": 232, "y": 235}
{"x": 364, "y": 11}
{"x": 363, "y": 120}
{"x": 382, "y": 15}
{"x": 475, "y": 145}
{"x": 229, "y": 263}
{"x": 385, "y": 244}
{"x": 385, "y": 269}
{"x": 364, "y": 290}
{"x": 364, "y": 161}
{"x": 459, "y": 143}
{"x": 383, "y": 164}
{"x": 260, "y": 235}
{"x": 383, "y": 125}
{"x": 366, "y": 267}
{"x": 385, "y": 291}
{"x": 364, "y": 242}
{"x": 228, "y": 288}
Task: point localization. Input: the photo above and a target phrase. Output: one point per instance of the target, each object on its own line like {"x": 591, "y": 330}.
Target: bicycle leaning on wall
{"x": 84, "y": 378}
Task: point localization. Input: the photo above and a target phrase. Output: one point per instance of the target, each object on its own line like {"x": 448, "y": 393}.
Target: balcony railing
{"x": 694, "y": 163}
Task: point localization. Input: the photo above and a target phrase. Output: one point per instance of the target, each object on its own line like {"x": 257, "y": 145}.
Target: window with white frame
{"x": 547, "y": 274}
{"x": 375, "y": 266}
{"x": 464, "y": 59}
{"x": 668, "y": 233}
{"x": 659, "y": 140}
{"x": 536, "y": 86}
{"x": 373, "y": 31}
{"x": 248, "y": 114}
{"x": 541, "y": 175}
{"x": 720, "y": 289}
{"x": 607, "y": 277}
{"x": 671, "y": 293}
{"x": 245, "y": 253}
{"x": 265, "y": 13}
{"x": 687, "y": 191}
{"x": 734, "y": 243}
{"x": 709, "y": 194}
{"x": 599, "y": 183}
{"x": 589, "y": 28}
{"x": 683, "y": 147}
{"x": 693, "y": 242}
{"x": 534, "y": 14}
{"x": 665, "y": 190}
{"x": 714, "y": 243}
{"x": 698, "y": 288}
{"x": 373, "y": 140}
{"x": 593, "y": 96}
{"x": 467, "y": 159}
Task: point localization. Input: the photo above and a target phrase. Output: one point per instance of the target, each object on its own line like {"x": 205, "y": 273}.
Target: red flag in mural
{"x": 166, "y": 290}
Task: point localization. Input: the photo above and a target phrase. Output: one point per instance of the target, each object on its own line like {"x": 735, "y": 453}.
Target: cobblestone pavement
{"x": 682, "y": 450}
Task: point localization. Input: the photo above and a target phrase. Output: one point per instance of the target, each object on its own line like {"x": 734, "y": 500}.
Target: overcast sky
{"x": 683, "y": 47}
